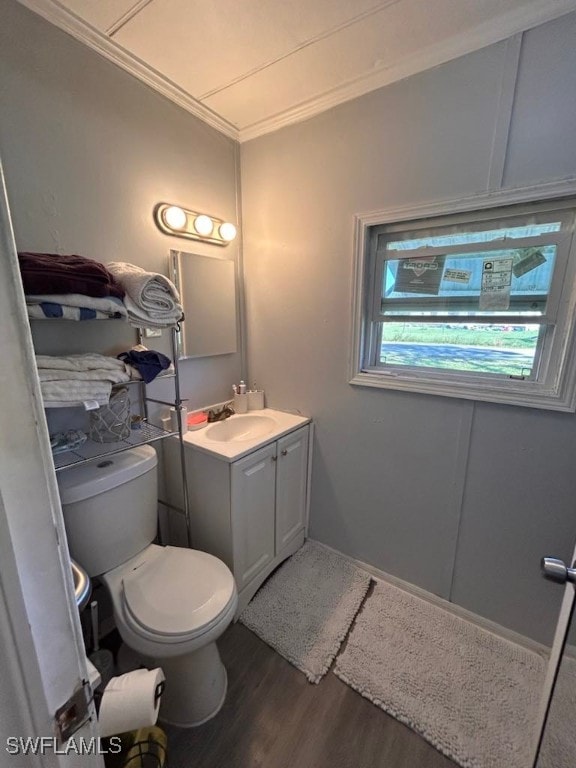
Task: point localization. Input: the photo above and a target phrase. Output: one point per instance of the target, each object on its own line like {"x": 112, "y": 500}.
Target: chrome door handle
{"x": 557, "y": 570}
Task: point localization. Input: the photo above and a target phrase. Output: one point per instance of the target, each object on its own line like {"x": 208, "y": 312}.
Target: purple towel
{"x": 45, "y": 273}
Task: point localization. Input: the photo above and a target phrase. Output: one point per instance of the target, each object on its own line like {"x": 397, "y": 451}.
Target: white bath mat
{"x": 468, "y": 692}
{"x": 305, "y": 609}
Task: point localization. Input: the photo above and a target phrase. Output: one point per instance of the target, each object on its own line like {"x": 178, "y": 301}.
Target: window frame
{"x": 553, "y": 387}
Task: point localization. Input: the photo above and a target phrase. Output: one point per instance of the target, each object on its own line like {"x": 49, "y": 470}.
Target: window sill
{"x": 525, "y": 394}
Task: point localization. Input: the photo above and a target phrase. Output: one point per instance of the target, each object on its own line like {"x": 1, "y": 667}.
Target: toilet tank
{"x": 110, "y": 508}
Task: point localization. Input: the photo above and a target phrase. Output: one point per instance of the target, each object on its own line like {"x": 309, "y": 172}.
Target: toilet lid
{"x": 179, "y": 592}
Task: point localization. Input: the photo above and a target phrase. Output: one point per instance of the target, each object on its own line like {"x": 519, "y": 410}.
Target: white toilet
{"x": 170, "y": 604}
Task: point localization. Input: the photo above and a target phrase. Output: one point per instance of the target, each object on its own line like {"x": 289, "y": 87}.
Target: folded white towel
{"x": 58, "y": 394}
{"x": 140, "y": 318}
{"x": 74, "y": 379}
{"x": 114, "y": 377}
{"x": 151, "y": 298}
{"x": 90, "y": 361}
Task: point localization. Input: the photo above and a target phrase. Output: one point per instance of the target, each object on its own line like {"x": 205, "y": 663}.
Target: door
{"x": 252, "y": 488}
{"x": 43, "y": 660}
{"x": 291, "y": 474}
{"x": 557, "y": 742}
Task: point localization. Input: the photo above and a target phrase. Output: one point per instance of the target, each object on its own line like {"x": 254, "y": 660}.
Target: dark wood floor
{"x": 274, "y": 718}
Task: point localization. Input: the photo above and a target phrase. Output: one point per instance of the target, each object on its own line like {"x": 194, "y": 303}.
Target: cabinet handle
{"x": 285, "y": 452}
{"x": 274, "y": 458}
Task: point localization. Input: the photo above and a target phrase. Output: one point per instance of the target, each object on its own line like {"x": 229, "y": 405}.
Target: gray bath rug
{"x": 305, "y": 609}
{"x": 471, "y": 694}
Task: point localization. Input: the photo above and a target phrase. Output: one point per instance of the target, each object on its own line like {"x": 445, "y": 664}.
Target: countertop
{"x": 233, "y": 450}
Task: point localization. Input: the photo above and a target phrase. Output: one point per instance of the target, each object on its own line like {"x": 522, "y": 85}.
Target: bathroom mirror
{"x": 207, "y": 287}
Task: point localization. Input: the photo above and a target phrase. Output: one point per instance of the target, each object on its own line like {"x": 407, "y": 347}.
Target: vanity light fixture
{"x": 181, "y": 222}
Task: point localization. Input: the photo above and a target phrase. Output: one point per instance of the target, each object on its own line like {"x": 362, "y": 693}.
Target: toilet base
{"x": 196, "y": 686}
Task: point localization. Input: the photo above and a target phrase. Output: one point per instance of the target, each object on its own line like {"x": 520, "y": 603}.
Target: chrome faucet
{"x": 219, "y": 415}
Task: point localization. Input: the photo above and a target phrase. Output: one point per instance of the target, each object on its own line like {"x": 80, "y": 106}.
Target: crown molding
{"x": 493, "y": 31}
{"x": 513, "y": 23}
{"x": 68, "y": 22}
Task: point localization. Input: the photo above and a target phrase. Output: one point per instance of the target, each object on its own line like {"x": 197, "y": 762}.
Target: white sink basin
{"x": 240, "y": 428}
{"x": 243, "y": 433}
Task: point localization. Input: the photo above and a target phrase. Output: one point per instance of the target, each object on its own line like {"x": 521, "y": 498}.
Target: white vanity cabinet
{"x": 268, "y": 503}
{"x": 250, "y": 512}
{"x": 253, "y": 519}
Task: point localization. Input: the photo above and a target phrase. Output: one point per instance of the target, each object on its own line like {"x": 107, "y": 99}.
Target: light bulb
{"x": 203, "y": 225}
{"x": 227, "y": 231}
{"x": 175, "y": 217}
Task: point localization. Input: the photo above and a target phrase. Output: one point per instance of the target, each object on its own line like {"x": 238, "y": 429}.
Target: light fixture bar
{"x": 182, "y": 222}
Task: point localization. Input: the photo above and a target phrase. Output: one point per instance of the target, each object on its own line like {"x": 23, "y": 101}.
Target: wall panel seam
{"x": 460, "y": 476}
{"x": 242, "y": 319}
{"x": 504, "y": 112}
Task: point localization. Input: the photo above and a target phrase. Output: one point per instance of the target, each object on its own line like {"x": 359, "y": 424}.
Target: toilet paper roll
{"x": 131, "y": 701}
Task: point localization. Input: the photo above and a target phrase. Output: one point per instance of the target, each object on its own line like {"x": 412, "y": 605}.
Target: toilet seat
{"x": 177, "y": 594}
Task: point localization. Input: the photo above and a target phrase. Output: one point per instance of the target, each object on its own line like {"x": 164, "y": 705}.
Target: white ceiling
{"x": 251, "y": 66}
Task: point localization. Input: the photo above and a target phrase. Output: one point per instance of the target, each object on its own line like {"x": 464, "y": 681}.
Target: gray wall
{"x": 460, "y": 498}
{"x": 88, "y": 151}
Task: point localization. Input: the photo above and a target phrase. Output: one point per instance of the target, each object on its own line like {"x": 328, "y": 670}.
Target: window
{"x": 477, "y": 303}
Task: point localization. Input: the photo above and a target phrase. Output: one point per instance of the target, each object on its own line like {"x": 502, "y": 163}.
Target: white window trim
{"x": 560, "y": 391}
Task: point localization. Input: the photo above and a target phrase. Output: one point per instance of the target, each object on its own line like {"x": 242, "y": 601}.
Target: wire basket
{"x": 111, "y": 423}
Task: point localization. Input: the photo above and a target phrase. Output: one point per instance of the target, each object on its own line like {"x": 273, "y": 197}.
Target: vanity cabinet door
{"x": 253, "y": 483}
{"x": 291, "y": 480}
